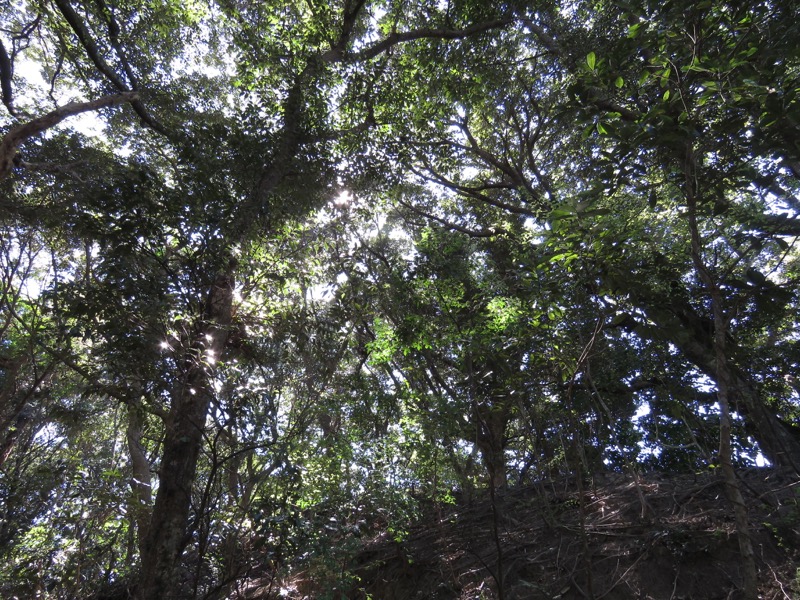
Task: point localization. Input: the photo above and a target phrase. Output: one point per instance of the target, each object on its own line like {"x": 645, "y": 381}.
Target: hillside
{"x": 650, "y": 537}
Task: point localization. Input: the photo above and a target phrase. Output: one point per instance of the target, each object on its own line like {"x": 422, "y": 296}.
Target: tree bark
{"x": 491, "y": 422}
{"x": 141, "y": 482}
{"x": 168, "y": 535}
{"x": 6, "y": 88}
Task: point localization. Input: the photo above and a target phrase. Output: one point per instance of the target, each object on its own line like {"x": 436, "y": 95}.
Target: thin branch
{"x": 419, "y": 34}
{"x": 596, "y": 95}
{"x": 62, "y": 357}
{"x": 487, "y": 156}
{"x": 485, "y": 233}
{"x": 67, "y": 169}
{"x": 471, "y": 193}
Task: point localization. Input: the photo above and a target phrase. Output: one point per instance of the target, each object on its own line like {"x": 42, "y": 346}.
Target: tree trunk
{"x": 724, "y": 384}
{"x": 491, "y": 425}
{"x": 141, "y": 484}
{"x": 677, "y": 321}
{"x": 776, "y": 442}
{"x": 775, "y": 439}
{"x": 168, "y": 535}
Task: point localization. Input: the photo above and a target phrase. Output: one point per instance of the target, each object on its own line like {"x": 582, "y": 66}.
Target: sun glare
{"x": 343, "y": 200}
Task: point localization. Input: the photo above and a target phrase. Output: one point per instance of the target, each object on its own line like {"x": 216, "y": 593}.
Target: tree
{"x": 239, "y": 177}
{"x": 681, "y": 130}
{"x": 546, "y": 221}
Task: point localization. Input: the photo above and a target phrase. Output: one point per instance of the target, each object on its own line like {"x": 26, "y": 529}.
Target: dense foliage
{"x": 275, "y": 274}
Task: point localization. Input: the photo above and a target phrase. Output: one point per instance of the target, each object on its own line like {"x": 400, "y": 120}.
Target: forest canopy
{"x": 271, "y": 270}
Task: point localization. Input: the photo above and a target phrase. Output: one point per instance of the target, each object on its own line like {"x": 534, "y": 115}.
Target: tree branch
{"x": 14, "y": 138}
{"x": 595, "y": 95}
{"x": 292, "y": 136}
{"x": 472, "y": 193}
{"x": 5, "y": 80}
{"x": 113, "y": 36}
{"x": 92, "y": 50}
{"x": 351, "y": 10}
{"x": 425, "y": 33}
{"x": 85, "y": 38}
{"x": 484, "y": 233}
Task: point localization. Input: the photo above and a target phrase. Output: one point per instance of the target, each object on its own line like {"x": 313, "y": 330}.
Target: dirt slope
{"x": 611, "y": 538}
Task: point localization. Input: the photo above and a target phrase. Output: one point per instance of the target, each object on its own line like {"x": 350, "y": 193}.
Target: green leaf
{"x": 561, "y": 213}
{"x": 695, "y": 68}
{"x": 596, "y": 212}
{"x": 619, "y": 82}
{"x": 591, "y": 60}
